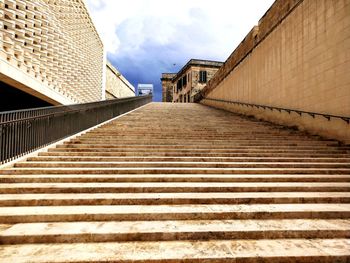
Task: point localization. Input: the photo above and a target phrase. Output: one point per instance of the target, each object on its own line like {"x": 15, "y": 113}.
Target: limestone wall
{"x": 51, "y": 50}
{"x": 167, "y": 87}
{"x": 116, "y": 85}
{"x": 298, "y": 57}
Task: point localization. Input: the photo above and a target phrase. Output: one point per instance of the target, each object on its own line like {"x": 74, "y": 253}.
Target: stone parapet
{"x": 296, "y": 58}
{"x": 117, "y": 86}
{"x": 277, "y": 12}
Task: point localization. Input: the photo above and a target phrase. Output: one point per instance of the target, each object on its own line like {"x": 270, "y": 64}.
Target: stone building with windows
{"x": 117, "y": 86}
{"x": 50, "y": 53}
{"x": 189, "y": 80}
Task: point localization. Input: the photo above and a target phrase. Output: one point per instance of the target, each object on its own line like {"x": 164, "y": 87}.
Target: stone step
{"x": 268, "y": 145}
{"x": 155, "y": 127}
{"x": 159, "y": 141}
{"x": 193, "y": 135}
{"x": 184, "y": 159}
{"x": 180, "y": 164}
{"x": 31, "y": 214}
{"x": 236, "y": 142}
{"x": 247, "y": 129}
{"x": 173, "y": 178}
{"x": 204, "y": 138}
{"x": 196, "y": 154}
{"x": 253, "y": 251}
{"x": 112, "y": 231}
{"x": 174, "y": 170}
{"x": 155, "y": 187}
{"x": 225, "y": 130}
{"x": 178, "y": 198}
{"x": 208, "y": 150}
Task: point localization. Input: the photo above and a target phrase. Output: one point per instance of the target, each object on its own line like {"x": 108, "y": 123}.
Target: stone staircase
{"x": 179, "y": 183}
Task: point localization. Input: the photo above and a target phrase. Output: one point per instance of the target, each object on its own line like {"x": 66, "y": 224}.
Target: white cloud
{"x": 226, "y": 22}
{"x": 144, "y": 38}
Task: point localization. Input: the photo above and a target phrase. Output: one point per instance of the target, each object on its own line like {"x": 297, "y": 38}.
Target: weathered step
{"x": 177, "y": 144}
{"x": 196, "y": 154}
{"x": 205, "y": 150}
{"x": 112, "y": 178}
{"x": 13, "y": 188}
{"x": 175, "y": 134}
{"x": 76, "y": 232}
{"x": 19, "y": 214}
{"x": 154, "y": 127}
{"x": 205, "y": 146}
{"x": 69, "y": 199}
{"x": 175, "y": 170}
{"x": 189, "y": 141}
{"x": 162, "y": 141}
{"x": 184, "y": 159}
{"x": 179, "y": 165}
{"x": 248, "y": 130}
{"x": 129, "y": 133}
{"x": 252, "y": 251}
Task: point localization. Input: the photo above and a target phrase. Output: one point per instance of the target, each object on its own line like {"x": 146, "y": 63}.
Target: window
{"x": 184, "y": 81}
{"x": 179, "y": 84}
{"x": 202, "y": 76}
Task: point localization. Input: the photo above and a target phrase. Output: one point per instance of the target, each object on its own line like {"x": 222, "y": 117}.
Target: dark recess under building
{"x": 15, "y": 99}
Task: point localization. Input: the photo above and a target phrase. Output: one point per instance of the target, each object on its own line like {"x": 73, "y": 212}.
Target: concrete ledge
{"x": 22, "y": 81}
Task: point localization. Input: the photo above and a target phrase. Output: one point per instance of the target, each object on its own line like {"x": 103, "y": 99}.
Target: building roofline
{"x": 91, "y": 20}
{"x": 120, "y": 76}
{"x": 169, "y": 77}
{"x": 198, "y": 62}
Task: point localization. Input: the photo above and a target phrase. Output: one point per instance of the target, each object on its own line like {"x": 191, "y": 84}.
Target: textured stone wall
{"x": 197, "y": 86}
{"x": 51, "y": 50}
{"x": 116, "y": 85}
{"x": 193, "y": 85}
{"x": 167, "y": 87}
{"x": 298, "y": 57}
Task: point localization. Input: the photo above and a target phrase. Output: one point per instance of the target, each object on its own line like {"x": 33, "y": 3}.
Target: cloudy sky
{"x": 144, "y": 38}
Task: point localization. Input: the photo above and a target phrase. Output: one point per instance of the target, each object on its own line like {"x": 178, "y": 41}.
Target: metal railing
{"x": 23, "y": 131}
{"x": 300, "y": 112}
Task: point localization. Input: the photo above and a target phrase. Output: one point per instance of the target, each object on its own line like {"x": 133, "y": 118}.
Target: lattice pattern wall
{"x": 55, "y": 42}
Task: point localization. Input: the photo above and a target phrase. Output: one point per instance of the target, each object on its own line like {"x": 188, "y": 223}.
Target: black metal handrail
{"x": 300, "y": 112}
{"x": 23, "y": 131}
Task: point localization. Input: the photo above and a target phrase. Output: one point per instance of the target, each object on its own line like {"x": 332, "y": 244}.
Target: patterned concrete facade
{"x": 116, "y": 85}
{"x": 297, "y": 58}
{"x": 51, "y": 49}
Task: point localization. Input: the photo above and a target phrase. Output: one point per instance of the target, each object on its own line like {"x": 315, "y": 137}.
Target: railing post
{"x": 1, "y": 148}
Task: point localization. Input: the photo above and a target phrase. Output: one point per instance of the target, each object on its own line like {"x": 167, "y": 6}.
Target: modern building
{"x": 50, "y": 53}
{"x": 189, "y": 80}
{"x": 144, "y": 89}
{"x": 117, "y": 86}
